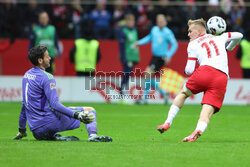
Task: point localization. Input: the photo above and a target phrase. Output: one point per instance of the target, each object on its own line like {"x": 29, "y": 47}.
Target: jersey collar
{"x": 38, "y": 68}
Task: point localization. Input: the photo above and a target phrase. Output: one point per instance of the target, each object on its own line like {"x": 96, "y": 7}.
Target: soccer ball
{"x": 216, "y": 25}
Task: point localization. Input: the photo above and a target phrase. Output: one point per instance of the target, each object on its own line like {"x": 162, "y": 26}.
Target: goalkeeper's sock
{"x": 201, "y": 126}
{"x": 172, "y": 113}
{"x": 92, "y": 135}
{"x": 92, "y": 127}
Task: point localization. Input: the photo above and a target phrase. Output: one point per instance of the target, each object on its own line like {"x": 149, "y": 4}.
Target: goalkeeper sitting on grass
{"x": 46, "y": 116}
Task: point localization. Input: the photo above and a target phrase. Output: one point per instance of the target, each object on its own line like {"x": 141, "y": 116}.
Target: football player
{"x": 210, "y": 77}
{"x": 46, "y": 116}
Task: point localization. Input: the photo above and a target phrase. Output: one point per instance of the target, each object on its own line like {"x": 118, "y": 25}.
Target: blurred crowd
{"x": 106, "y": 19}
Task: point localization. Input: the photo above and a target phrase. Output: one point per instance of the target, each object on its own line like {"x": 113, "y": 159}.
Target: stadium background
{"x": 133, "y": 127}
{"x": 18, "y": 18}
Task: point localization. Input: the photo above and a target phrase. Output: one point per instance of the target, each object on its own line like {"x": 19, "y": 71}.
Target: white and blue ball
{"x": 216, "y": 25}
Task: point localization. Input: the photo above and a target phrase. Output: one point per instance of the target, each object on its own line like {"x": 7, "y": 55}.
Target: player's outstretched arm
{"x": 51, "y": 94}
{"x": 145, "y": 39}
{"x": 49, "y": 86}
{"x": 234, "y": 38}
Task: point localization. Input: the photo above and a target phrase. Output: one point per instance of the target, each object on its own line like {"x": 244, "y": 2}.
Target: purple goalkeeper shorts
{"x": 62, "y": 123}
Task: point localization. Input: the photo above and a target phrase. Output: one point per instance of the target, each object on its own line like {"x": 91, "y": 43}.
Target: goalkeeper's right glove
{"x": 22, "y": 133}
{"x": 84, "y": 117}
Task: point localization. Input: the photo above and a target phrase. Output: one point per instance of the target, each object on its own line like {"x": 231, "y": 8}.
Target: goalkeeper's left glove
{"x": 84, "y": 117}
{"x": 22, "y": 133}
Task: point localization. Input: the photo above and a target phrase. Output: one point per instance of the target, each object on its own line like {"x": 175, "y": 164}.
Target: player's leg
{"x": 59, "y": 123}
{"x": 156, "y": 84}
{"x": 174, "y": 109}
{"x": 63, "y": 123}
{"x": 92, "y": 129}
{"x": 127, "y": 69}
{"x": 158, "y": 65}
{"x": 178, "y": 102}
{"x": 148, "y": 73}
{"x": 50, "y": 131}
{"x": 149, "y": 82}
{"x": 164, "y": 93}
{"x": 214, "y": 86}
{"x": 205, "y": 115}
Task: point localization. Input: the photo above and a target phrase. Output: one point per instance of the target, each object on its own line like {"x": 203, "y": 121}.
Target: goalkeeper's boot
{"x": 163, "y": 128}
{"x": 20, "y": 135}
{"x": 193, "y": 137}
{"x": 95, "y": 138}
{"x": 59, "y": 137}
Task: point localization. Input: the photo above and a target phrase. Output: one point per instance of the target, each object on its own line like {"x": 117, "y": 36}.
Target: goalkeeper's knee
{"x": 88, "y": 108}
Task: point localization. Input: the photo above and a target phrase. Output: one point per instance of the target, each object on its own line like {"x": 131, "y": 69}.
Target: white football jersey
{"x": 211, "y": 50}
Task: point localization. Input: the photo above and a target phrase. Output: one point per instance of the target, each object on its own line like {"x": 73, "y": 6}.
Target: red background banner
{"x": 15, "y": 62}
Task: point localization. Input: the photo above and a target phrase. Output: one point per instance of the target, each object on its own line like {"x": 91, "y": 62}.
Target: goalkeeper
{"x": 46, "y": 116}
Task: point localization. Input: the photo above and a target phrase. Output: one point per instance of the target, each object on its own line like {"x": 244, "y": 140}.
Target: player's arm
{"x": 122, "y": 39}
{"x": 22, "y": 125}
{"x": 190, "y": 66}
{"x": 146, "y": 39}
{"x": 173, "y": 43}
{"x": 233, "y": 38}
{"x": 51, "y": 94}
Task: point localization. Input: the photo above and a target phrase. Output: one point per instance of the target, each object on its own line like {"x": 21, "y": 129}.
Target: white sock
{"x": 92, "y": 135}
{"x": 201, "y": 126}
{"x": 172, "y": 113}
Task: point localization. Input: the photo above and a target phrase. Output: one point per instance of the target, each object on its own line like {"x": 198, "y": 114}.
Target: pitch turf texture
{"x": 136, "y": 142}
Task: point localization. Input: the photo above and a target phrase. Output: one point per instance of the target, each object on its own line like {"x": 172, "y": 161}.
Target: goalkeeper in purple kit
{"x": 46, "y": 116}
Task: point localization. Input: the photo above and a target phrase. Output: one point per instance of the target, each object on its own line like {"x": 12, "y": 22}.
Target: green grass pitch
{"x": 136, "y": 142}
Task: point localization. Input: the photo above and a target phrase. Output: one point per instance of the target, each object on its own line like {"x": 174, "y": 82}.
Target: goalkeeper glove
{"x": 84, "y": 117}
{"x": 22, "y": 133}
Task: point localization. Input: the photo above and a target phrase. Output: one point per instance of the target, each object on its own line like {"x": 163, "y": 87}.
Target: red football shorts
{"x": 210, "y": 81}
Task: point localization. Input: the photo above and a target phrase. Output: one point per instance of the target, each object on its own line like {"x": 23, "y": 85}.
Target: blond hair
{"x": 201, "y": 22}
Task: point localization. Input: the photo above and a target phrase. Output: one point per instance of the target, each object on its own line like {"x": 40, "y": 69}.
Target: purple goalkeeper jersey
{"x": 40, "y": 104}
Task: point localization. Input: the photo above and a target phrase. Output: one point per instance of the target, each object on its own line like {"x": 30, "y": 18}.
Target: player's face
{"x": 130, "y": 22}
{"x": 160, "y": 21}
{"x": 193, "y": 32}
{"x": 44, "y": 18}
{"x": 46, "y": 60}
